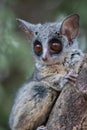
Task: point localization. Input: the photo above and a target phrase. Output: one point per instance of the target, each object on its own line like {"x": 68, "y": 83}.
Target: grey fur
{"x": 48, "y": 77}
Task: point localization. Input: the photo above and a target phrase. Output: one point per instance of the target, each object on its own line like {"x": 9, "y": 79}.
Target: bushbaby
{"x": 57, "y": 57}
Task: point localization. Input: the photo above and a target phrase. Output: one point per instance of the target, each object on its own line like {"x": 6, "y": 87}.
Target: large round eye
{"x": 55, "y": 45}
{"x": 38, "y": 48}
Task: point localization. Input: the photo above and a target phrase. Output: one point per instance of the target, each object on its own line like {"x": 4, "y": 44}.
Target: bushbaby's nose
{"x": 44, "y": 59}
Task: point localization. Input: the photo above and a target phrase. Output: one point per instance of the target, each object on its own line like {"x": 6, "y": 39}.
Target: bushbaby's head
{"x": 51, "y": 42}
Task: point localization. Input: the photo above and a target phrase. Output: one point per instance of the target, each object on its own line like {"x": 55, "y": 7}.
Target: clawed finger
{"x": 72, "y": 79}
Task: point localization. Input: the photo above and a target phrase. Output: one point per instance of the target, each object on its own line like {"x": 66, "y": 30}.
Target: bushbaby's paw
{"x": 71, "y": 76}
{"x": 42, "y": 128}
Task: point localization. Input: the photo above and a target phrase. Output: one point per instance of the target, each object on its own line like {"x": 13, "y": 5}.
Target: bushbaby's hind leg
{"x": 32, "y": 106}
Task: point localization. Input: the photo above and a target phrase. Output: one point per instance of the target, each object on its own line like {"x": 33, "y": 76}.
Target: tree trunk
{"x": 70, "y": 109}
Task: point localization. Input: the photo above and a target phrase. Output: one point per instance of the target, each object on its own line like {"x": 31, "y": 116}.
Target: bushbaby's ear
{"x": 27, "y": 28}
{"x": 70, "y": 26}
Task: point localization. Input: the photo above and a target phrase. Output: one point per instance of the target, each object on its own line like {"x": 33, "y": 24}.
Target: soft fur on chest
{"x": 51, "y": 75}
{"x": 53, "y": 70}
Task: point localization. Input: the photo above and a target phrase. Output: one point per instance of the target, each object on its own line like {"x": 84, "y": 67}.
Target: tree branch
{"x": 70, "y": 109}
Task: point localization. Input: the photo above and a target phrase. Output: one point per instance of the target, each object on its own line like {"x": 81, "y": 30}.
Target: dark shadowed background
{"x": 16, "y": 62}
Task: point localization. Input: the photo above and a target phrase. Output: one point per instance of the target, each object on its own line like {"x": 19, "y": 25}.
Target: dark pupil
{"x": 38, "y": 48}
{"x": 55, "y": 45}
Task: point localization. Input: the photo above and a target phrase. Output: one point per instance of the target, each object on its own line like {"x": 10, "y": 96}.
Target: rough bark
{"x": 70, "y": 109}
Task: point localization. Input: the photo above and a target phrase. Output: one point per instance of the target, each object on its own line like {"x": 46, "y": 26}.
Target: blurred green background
{"x": 16, "y": 62}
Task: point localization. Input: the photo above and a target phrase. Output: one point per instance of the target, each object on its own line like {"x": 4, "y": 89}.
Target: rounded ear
{"x": 26, "y": 27}
{"x": 70, "y": 26}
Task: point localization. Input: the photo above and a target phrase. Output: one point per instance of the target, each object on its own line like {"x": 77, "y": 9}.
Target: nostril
{"x": 44, "y": 58}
